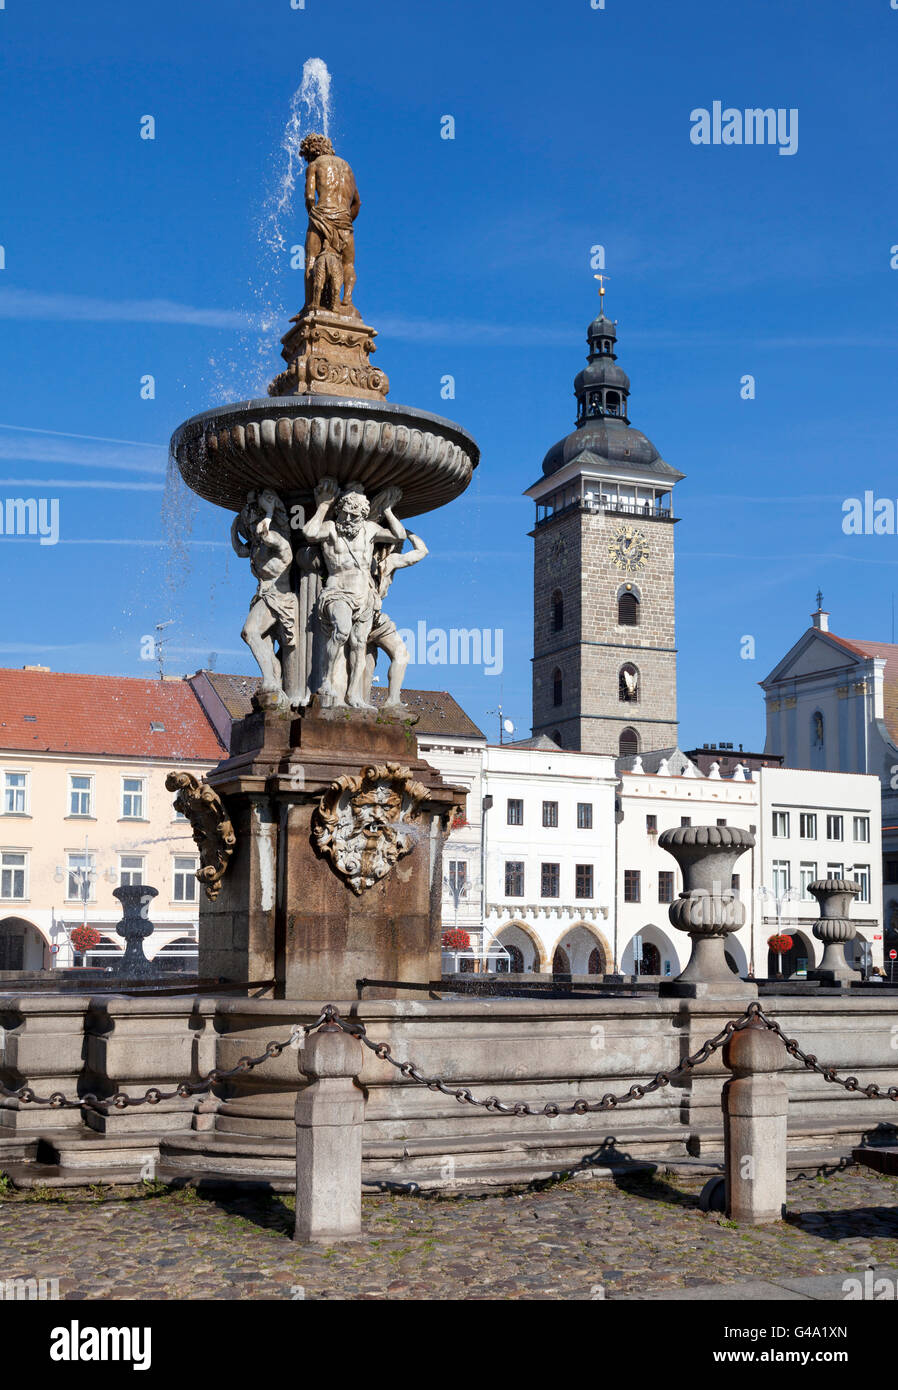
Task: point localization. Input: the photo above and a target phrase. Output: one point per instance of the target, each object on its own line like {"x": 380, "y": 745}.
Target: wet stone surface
{"x": 573, "y": 1240}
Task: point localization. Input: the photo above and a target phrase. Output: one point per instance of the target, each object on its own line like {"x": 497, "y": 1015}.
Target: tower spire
{"x": 601, "y": 279}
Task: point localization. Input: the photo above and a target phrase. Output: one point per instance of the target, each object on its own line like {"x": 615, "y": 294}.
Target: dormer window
{"x": 156, "y": 727}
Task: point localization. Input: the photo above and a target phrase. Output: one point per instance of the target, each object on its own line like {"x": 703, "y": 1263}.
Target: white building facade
{"x": 562, "y": 871}
{"x": 819, "y": 825}
{"x": 832, "y": 705}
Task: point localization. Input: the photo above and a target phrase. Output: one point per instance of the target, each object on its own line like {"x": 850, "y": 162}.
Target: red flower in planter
{"x": 780, "y": 944}
{"x": 456, "y": 940}
{"x": 85, "y": 939}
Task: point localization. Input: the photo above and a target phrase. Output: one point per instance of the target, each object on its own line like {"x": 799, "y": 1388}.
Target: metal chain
{"x": 577, "y": 1107}
{"x": 330, "y": 1019}
{"x": 122, "y": 1101}
{"x": 851, "y": 1083}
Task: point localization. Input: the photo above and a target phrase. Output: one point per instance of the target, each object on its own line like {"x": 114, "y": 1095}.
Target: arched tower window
{"x": 628, "y": 609}
{"x": 612, "y": 402}
{"x": 557, "y": 687}
{"x": 817, "y": 730}
{"x": 628, "y": 743}
{"x": 556, "y": 738}
{"x": 557, "y": 611}
{"x": 628, "y": 684}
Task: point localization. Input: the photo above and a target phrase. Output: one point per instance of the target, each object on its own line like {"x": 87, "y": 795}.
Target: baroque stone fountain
{"x": 323, "y": 793}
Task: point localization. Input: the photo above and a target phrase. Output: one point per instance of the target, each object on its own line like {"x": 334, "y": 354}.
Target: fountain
{"x": 134, "y": 928}
{"x": 338, "y": 825}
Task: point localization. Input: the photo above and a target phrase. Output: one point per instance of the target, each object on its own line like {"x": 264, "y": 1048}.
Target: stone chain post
{"x": 755, "y": 1102}
{"x": 329, "y": 1116}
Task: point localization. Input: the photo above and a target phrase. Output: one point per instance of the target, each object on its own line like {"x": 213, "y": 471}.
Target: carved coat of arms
{"x": 363, "y": 824}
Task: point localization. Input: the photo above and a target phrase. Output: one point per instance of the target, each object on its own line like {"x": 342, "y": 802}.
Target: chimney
{"x": 35, "y": 668}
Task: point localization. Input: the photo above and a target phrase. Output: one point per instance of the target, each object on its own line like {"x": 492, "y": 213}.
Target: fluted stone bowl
{"x": 289, "y": 443}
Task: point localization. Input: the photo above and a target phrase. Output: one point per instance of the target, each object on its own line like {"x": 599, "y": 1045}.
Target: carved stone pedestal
{"x": 327, "y": 353}
{"x": 337, "y": 870}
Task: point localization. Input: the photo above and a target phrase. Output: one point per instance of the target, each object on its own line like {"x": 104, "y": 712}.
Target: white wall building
{"x": 832, "y": 704}
{"x": 660, "y": 792}
{"x": 550, "y": 857}
{"x": 819, "y": 825}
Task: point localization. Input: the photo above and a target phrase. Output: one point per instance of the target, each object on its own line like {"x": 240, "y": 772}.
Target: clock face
{"x": 629, "y": 550}
{"x": 557, "y": 554}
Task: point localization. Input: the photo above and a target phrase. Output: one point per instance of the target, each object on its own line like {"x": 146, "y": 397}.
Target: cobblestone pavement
{"x": 573, "y": 1240}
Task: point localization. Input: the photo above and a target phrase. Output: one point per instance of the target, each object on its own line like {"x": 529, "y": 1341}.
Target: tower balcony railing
{"x": 647, "y": 511}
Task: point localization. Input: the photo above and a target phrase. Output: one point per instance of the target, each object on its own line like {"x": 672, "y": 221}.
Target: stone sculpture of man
{"x": 332, "y": 202}
{"x": 384, "y": 633}
{"x": 259, "y": 532}
{"x": 346, "y": 604}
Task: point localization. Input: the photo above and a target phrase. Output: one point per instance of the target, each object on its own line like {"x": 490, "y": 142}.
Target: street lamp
{"x": 778, "y": 899}
{"x": 83, "y": 876}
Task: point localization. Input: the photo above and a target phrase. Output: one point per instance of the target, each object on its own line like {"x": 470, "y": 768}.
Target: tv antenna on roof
{"x": 160, "y": 646}
{"x": 505, "y": 725}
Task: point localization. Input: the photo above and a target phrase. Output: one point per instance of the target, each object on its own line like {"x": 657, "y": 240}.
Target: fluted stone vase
{"x": 707, "y": 909}
{"x": 833, "y": 928}
{"x": 134, "y": 927}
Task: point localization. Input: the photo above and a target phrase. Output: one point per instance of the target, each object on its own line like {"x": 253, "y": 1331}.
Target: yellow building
{"x": 84, "y": 808}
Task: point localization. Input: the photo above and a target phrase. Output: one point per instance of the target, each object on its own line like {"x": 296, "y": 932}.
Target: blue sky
{"x": 126, "y": 257}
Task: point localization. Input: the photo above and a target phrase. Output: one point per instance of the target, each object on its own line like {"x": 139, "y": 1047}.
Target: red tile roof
{"x": 54, "y": 711}
{"x": 887, "y": 651}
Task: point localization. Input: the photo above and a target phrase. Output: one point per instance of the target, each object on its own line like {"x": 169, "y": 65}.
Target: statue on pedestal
{"x": 347, "y": 604}
{"x": 260, "y": 532}
{"x": 332, "y": 202}
{"x": 328, "y": 348}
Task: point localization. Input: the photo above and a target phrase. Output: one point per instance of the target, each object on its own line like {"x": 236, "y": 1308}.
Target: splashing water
{"x": 310, "y": 109}
{"x": 257, "y": 360}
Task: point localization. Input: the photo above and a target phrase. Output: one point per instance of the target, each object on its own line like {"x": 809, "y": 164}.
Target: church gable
{"x": 815, "y": 653}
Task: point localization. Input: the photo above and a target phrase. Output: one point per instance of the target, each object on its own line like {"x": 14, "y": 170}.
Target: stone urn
{"x": 833, "y": 928}
{"x": 707, "y": 908}
{"x": 134, "y": 927}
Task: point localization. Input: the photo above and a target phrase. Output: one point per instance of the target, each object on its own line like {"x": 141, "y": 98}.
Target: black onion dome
{"x": 602, "y": 371}
{"x": 611, "y": 440}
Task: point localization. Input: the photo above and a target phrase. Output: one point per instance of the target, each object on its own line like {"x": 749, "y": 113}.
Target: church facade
{"x": 604, "y": 641}
{"x": 832, "y": 705}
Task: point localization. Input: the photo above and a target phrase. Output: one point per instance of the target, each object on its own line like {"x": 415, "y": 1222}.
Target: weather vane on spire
{"x": 601, "y": 279}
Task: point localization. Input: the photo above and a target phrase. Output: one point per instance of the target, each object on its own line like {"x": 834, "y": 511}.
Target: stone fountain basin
{"x": 289, "y": 443}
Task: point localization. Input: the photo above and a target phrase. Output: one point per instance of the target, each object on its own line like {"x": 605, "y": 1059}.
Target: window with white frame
{"x": 835, "y": 870}
{"x": 835, "y": 828}
{"x": 13, "y": 875}
{"x": 807, "y": 825}
{"x": 130, "y": 869}
{"x": 80, "y": 877}
{"x": 184, "y": 883}
{"x": 782, "y": 877}
{"x": 862, "y": 829}
{"x": 861, "y": 875}
{"x": 81, "y": 794}
{"x": 458, "y": 877}
{"x": 781, "y": 823}
{"x": 807, "y": 873}
{"x": 15, "y": 793}
{"x": 133, "y": 798}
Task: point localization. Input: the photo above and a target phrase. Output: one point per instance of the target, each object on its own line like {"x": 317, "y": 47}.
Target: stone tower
{"x": 604, "y": 653}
